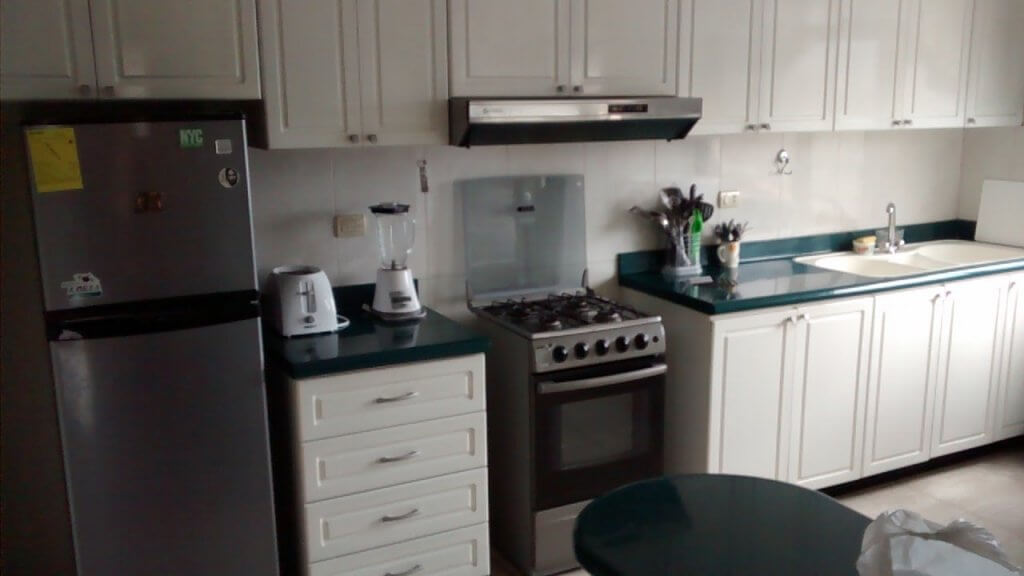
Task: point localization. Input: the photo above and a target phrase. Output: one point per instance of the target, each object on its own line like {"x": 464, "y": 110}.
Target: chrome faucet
{"x": 892, "y": 239}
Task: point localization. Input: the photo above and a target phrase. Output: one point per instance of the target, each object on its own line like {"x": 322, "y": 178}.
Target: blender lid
{"x": 389, "y": 208}
{"x": 525, "y": 236}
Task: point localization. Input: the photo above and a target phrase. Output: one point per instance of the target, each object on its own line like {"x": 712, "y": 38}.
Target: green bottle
{"x": 695, "y": 230}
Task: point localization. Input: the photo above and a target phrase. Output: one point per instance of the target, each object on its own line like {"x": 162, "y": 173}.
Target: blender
{"x": 394, "y": 298}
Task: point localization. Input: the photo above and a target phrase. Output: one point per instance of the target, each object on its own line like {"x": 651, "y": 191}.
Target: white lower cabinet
{"x": 1009, "y": 417}
{"x": 462, "y": 552}
{"x": 901, "y": 385}
{"x": 390, "y": 467}
{"x": 827, "y": 393}
{"x": 968, "y": 364}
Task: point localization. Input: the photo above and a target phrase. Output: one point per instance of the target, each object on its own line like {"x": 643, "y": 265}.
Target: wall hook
{"x": 782, "y": 162}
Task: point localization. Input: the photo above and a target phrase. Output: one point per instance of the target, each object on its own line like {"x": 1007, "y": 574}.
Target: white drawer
{"x": 383, "y": 397}
{"x": 391, "y": 515}
{"x": 371, "y": 460}
{"x": 463, "y": 552}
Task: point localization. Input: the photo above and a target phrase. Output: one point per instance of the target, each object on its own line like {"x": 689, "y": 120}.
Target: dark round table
{"x": 717, "y": 524}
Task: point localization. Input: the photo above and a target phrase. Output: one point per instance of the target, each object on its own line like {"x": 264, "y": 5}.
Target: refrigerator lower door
{"x": 166, "y": 452}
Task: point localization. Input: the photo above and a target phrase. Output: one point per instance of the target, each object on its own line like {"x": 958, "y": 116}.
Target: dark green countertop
{"x": 779, "y": 281}
{"x": 369, "y": 343}
{"x": 717, "y": 524}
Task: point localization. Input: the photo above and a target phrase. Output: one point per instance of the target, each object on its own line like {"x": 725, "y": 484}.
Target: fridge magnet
{"x": 83, "y": 285}
{"x": 53, "y": 154}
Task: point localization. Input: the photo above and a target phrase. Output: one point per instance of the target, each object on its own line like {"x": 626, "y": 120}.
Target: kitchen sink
{"x": 914, "y": 258}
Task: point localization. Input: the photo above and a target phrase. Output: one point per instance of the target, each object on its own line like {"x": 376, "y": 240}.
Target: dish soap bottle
{"x": 695, "y": 230}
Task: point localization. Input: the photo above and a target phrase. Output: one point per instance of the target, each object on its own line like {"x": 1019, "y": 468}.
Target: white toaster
{"x": 300, "y": 301}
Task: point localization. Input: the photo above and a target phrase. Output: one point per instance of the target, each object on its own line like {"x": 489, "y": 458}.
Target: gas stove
{"x": 570, "y": 330}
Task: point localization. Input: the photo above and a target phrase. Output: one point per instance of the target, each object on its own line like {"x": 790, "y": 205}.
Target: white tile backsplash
{"x": 840, "y": 181}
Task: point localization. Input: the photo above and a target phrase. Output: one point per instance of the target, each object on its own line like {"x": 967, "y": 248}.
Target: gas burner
{"x": 607, "y": 316}
{"x": 550, "y": 323}
{"x": 520, "y": 312}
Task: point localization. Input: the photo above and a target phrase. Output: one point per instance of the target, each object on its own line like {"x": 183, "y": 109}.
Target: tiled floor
{"x": 987, "y": 490}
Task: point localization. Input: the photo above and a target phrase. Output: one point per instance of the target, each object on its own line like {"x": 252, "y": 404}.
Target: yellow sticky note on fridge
{"x": 54, "y": 157}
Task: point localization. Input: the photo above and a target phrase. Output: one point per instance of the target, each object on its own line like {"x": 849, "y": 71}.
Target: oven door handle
{"x": 550, "y": 387}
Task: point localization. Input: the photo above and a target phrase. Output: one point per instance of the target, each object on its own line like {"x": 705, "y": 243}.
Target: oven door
{"x": 597, "y": 428}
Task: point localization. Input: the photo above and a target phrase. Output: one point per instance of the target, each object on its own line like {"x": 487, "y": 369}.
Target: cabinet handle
{"x": 372, "y": 138}
{"x": 789, "y": 321}
{"x": 949, "y": 293}
{"x": 406, "y": 456}
{"x": 897, "y": 122}
{"x": 805, "y": 317}
{"x": 407, "y": 515}
{"x": 970, "y": 121}
{"x": 750, "y": 127}
{"x": 353, "y": 138}
{"x": 908, "y": 122}
{"x": 1013, "y": 285}
{"x": 109, "y": 91}
{"x": 399, "y": 398}
{"x": 84, "y": 89}
{"x": 560, "y": 88}
{"x": 766, "y": 126}
{"x": 936, "y": 298}
{"x": 412, "y": 570}
{"x": 578, "y": 89}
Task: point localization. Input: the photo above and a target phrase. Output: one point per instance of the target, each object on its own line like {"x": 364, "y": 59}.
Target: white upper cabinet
{"x": 624, "y": 48}
{"x": 1010, "y": 412}
{"x": 563, "y": 47}
{"x": 968, "y": 365}
{"x": 831, "y": 376}
{"x": 502, "y": 48}
{"x": 162, "y": 49}
{"x": 869, "y": 36}
{"x": 901, "y": 382}
{"x": 760, "y": 64}
{"x": 995, "y": 87}
{"x": 59, "y": 67}
{"x": 354, "y": 72}
{"x": 403, "y": 71}
{"x": 719, "y": 61}
{"x": 934, "y": 72}
{"x": 798, "y": 65}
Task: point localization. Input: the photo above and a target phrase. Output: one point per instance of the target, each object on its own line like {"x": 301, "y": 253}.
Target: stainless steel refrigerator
{"x": 145, "y": 244}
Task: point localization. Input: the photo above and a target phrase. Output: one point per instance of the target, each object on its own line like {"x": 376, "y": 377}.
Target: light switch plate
{"x": 728, "y": 199}
{"x": 349, "y": 225}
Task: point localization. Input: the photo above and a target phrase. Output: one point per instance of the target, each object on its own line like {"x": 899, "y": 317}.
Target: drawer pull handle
{"x": 406, "y": 456}
{"x": 412, "y": 570}
{"x": 406, "y": 516}
{"x": 805, "y": 317}
{"x": 399, "y": 398}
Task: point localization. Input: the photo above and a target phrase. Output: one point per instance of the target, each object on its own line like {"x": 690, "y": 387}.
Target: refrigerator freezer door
{"x": 166, "y": 452}
{"x": 162, "y": 211}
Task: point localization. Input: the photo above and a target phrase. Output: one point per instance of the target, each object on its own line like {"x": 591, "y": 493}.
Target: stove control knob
{"x": 560, "y": 354}
{"x": 582, "y": 349}
{"x": 602, "y": 347}
{"x": 622, "y": 343}
{"x": 641, "y": 341}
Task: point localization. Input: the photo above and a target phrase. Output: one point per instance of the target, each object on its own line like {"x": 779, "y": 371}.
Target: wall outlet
{"x": 728, "y": 199}
{"x": 349, "y": 225}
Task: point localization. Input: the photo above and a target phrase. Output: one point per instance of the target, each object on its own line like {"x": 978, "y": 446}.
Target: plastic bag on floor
{"x": 902, "y": 543}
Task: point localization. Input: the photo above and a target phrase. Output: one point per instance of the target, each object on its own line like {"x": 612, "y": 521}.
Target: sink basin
{"x": 915, "y": 258}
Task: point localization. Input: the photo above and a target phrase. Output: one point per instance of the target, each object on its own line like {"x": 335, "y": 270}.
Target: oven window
{"x": 601, "y": 430}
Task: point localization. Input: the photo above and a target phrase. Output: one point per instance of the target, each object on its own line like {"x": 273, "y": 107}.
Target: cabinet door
{"x": 995, "y": 88}
{"x": 161, "y": 49}
{"x": 968, "y": 365}
{"x": 502, "y": 48}
{"x": 46, "y": 50}
{"x": 310, "y": 72}
{"x": 624, "y": 48}
{"x": 869, "y": 33}
{"x": 934, "y": 74}
{"x": 1010, "y": 403}
{"x": 829, "y": 394}
{"x": 720, "y": 54}
{"x": 798, "y": 57}
{"x": 901, "y": 379}
{"x": 750, "y": 401}
{"x": 403, "y": 71}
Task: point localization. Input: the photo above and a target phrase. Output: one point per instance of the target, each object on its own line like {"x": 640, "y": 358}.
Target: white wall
{"x": 840, "y": 181}
{"x": 991, "y": 153}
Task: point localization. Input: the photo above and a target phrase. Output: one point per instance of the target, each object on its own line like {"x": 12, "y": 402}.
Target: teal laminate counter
{"x": 369, "y": 343}
{"x": 774, "y": 279}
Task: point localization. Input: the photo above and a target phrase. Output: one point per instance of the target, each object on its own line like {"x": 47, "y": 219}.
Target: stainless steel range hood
{"x": 481, "y": 122}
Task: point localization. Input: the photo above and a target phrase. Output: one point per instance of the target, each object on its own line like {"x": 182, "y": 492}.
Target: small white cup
{"x": 729, "y": 254}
